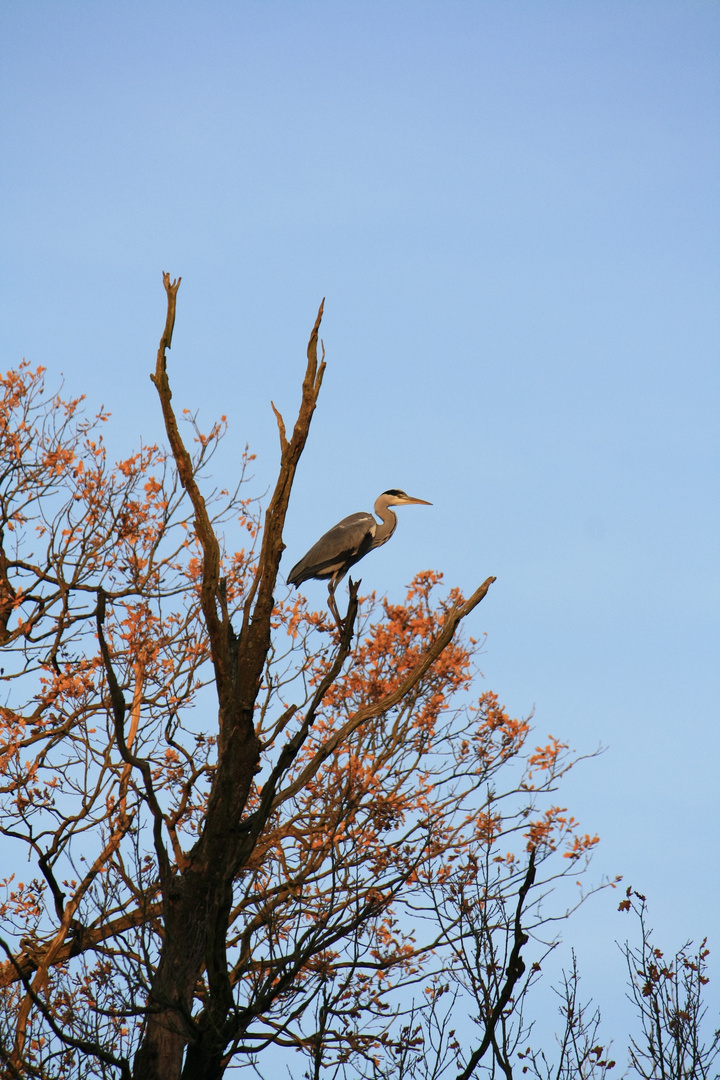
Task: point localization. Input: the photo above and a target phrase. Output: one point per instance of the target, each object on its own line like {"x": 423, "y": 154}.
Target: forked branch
{"x": 514, "y": 971}
{"x": 205, "y": 533}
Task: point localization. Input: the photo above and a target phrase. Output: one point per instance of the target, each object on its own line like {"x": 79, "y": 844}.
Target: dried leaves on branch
{"x": 233, "y": 831}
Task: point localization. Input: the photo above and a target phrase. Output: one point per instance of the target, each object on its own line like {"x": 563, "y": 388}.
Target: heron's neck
{"x": 389, "y": 521}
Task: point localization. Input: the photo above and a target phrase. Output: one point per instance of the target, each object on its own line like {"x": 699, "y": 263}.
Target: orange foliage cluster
{"x": 553, "y": 827}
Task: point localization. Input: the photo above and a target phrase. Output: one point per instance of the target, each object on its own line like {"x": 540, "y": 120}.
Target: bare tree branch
{"x": 514, "y": 971}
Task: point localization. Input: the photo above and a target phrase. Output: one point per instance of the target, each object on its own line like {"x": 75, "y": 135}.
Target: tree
{"x": 668, "y": 998}
{"x": 252, "y": 831}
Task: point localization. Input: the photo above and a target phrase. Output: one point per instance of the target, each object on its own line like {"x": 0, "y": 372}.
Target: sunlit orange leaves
{"x": 546, "y": 757}
{"x": 392, "y": 647}
{"x": 555, "y": 827}
{"x": 497, "y": 737}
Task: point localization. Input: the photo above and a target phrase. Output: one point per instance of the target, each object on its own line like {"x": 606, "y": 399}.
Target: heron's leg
{"x": 332, "y": 605}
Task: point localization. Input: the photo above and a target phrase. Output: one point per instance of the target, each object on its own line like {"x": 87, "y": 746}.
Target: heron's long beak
{"x": 422, "y": 502}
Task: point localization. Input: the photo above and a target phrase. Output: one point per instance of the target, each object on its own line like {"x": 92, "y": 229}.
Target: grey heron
{"x": 347, "y": 542}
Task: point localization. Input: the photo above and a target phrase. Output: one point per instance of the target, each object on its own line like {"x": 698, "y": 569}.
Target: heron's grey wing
{"x": 340, "y": 546}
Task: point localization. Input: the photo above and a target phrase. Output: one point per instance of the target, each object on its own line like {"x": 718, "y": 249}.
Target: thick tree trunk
{"x": 196, "y": 912}
{"x": 197, "y": 897}
{"x": 168, "y": 1027}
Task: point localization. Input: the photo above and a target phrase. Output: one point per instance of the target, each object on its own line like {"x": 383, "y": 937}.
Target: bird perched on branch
{"x": 347, "y": 542}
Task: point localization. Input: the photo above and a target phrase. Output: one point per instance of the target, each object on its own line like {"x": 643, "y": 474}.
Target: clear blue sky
{"x": 512, "y": 209}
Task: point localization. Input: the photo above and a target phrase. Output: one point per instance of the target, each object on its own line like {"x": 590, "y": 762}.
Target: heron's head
{"x": 396, "y": 497}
